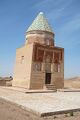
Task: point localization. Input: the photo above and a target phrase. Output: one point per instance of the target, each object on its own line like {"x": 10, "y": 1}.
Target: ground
{"x": 37, "y": 104}
{"x": 72, "y": 83}
{"x": 10, "y": 111}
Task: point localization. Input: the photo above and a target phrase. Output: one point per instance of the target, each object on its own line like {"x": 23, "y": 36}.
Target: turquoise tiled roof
{"x": 40, "y": 23}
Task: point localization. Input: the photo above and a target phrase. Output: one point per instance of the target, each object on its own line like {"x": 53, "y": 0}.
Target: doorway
{"x": 47, "y": 78}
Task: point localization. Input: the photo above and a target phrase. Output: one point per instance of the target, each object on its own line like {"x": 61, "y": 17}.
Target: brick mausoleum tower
{"x": 39, "y": 63}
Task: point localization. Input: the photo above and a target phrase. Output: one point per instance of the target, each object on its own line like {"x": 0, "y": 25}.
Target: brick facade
{"x": 39, "y": 62}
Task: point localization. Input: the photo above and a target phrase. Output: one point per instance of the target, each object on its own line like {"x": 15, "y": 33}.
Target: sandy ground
{"x": 41, "y": 103}
{"x": 17, "y": 105}
{"x": 9, "y": 111}
{"x": 72, "y": 83}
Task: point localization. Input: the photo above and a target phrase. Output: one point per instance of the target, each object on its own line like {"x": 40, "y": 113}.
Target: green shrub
{"x": 71, "y": 113}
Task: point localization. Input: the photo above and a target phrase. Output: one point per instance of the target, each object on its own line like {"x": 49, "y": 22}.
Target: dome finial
{"x": 41, "y": 13}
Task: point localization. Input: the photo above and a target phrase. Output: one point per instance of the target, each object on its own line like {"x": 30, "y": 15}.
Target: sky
{"x": 17, "y": 15}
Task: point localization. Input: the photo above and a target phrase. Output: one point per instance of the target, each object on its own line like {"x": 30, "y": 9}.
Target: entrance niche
{"x": 47, "y": 78}
{"x": 48, "y": 64}
{"x": 48, "y": 70}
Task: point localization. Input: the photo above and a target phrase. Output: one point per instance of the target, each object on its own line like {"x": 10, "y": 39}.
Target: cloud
{"x": 69, "y": 32}
{"x": 67, "y": 29}
{"x": 72, "y": 25}
{"x": 53, "y": 9}
{"x": 52, "y": 3}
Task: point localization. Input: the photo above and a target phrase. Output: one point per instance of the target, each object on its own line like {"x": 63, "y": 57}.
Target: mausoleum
{"x": 39, "y": 63}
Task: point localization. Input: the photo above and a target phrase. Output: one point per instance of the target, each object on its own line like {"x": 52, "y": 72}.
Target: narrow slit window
{"x": 59, "y": 68}
{"x": 22, "y": 59}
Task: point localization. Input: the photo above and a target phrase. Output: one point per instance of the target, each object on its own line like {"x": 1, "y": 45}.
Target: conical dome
{"x": 40, "y": 23}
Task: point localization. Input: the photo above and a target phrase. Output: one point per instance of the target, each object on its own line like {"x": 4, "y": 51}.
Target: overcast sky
{"x": 17, "y": 15}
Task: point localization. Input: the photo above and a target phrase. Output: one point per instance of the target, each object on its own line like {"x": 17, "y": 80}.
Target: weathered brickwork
{"x": 39, "y": 62}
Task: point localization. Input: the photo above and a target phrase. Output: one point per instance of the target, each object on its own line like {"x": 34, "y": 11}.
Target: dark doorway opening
{"x": 47, "y": 78}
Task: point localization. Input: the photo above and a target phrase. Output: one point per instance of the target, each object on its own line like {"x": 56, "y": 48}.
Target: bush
{"x": 71, "y": 113}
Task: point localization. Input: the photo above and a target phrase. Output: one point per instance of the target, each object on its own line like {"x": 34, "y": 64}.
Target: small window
{"x": 22, "y": 59}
